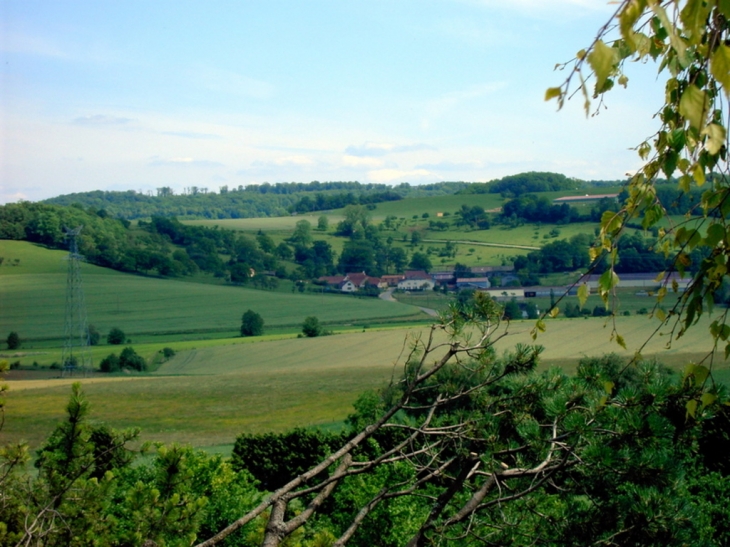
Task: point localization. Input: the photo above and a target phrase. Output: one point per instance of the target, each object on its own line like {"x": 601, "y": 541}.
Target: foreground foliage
{"x": 464, "y": 447}
{"x": 689, "y": 41}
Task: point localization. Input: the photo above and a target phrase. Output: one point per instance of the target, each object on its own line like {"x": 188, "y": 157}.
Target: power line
{"x": 76, "y": 355}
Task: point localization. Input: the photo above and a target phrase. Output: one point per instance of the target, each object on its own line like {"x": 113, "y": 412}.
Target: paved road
{"x": 388, "y": 297}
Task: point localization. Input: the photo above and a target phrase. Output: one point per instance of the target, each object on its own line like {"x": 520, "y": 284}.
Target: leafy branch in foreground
{"x": 470, "y": 447}
{"x": 690, "y": 42}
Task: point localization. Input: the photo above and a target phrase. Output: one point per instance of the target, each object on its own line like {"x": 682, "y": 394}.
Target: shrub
{"x": 116, "y": 336}
{"x": 131, "y": 359}
{"x": 13, "y": 340}
{"x": 252, "y": 324}
{"x": 110, "y": 363}
{"x": 311, "y": 327}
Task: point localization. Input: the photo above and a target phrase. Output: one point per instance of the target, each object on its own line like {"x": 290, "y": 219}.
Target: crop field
{"x": 530, "y": 235}
{"x": 212, "y": 391}
{"x": 407, "y": 208}
{"x": 33, "y": 303}
{"x": 266, "y": 224}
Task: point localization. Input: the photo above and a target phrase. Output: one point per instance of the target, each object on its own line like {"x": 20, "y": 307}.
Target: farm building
{"x": 352, "y": 282}
{"x": 473, "y": 283}
{"x": 416, "y": 280}
{"x": 643, "y": 280}
{"x": 505, "y": 293}
{"x": 586, "y": 197}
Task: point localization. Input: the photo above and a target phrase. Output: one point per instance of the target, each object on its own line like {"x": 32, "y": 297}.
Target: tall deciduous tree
{"x": 13, "y": 340}
{"x": 252, "y": 324}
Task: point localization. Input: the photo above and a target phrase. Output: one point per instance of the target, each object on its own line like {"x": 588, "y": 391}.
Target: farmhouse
{"x": 416, "y": 280}
{"x": 352, "y": 282}
{"x": 392, "y": 280}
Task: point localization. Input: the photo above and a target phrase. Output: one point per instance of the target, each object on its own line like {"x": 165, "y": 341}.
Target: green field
{"x": 212, "y": 391}
{"x": 33, "y": 303}
{"x": 220, "y": 385}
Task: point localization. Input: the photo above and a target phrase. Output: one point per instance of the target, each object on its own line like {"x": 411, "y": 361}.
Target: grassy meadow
{"x": 213, "y": 390}
{"x": 32, "y": 299}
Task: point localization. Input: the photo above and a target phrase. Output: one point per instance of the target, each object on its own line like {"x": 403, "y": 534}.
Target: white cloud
{"x": 370, "y": 149}
{"x": 401, "y": 175}
{"x": 360, "y": 162}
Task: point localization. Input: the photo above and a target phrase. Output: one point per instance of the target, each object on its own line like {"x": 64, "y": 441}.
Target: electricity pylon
{"x": 76, "y": 355}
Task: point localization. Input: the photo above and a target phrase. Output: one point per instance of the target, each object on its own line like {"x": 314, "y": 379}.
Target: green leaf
{"x": 679, "y": 46}
{"x": 715, "y": 234}
{"x": 552, "y": 92}
{"x": 620, "y": 341}
{"x": 707, "y": 399}
{"x": 720, "y": 65}
{"x": 692, "y": 407}
{"x": 700, "y": 374}
{"x": 694, "y": 19}
{"x": 602, "y": 60}
{"x": 715, "y": 137}
{"x": 693, "y": 106}
{"x": 660, "y": 314}
{"x": 608, "y": 387}
{"x": 698, "y": 173}
{"x": 607, "y": 281}
{"x": 628, "y": 18}
{"x": 583, "y": 294}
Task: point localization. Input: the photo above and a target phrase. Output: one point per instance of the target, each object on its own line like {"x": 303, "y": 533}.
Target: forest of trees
{"x": 258, "y": 200}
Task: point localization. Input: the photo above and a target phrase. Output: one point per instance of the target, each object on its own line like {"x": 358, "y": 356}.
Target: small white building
{"x": 416, "y": 281}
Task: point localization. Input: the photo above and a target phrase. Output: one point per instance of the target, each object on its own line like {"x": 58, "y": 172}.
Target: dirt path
{"x": 388, "y": 297}
{"x": 483, "y": 244}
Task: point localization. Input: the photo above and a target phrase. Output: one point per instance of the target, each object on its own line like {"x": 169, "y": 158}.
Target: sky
{"x": 137, "y": 95}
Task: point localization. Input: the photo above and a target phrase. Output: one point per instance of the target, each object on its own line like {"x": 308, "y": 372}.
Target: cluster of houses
{"x": 482, "y": 277}
{"x": 412, "y": 280}
{"x": 500, "y": 282}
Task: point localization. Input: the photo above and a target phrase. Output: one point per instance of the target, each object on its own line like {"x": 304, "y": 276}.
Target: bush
{"x": 311, "y": 327}
{"x": 168, "y": 353}
{"x": 116, "y": 337}
{"x": 252, "y": 324}
{"x": 110, "y": 363}
{"x": 131, "y": 359}
{"x": 13, "y": 340}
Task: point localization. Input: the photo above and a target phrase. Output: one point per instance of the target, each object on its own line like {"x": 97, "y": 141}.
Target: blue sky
{"x": 136, "y": 95}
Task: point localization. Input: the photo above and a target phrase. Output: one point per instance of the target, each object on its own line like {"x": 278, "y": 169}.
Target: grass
{"x": 33, "y": 303}
{"x": 212, "y": 391}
